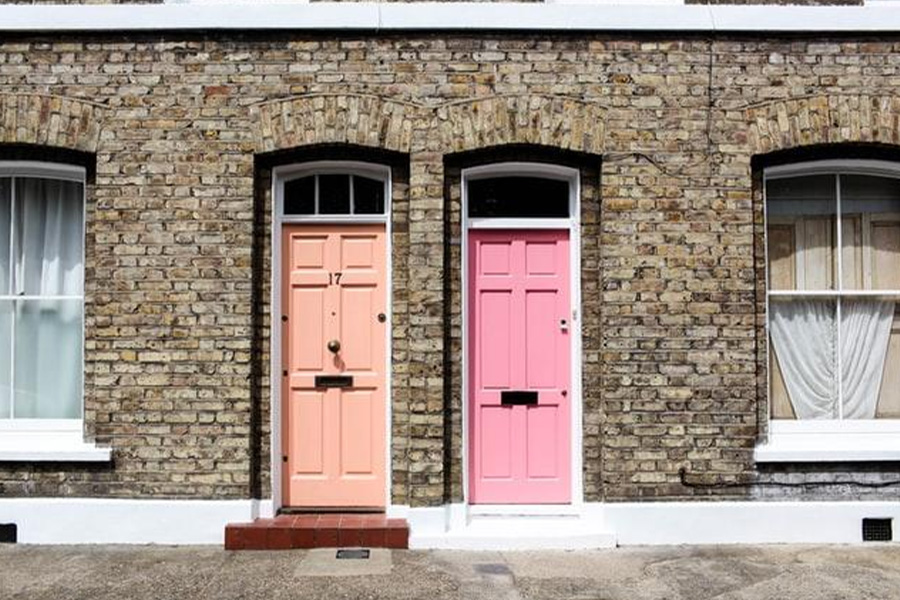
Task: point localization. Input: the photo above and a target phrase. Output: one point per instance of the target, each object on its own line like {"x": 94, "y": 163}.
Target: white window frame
{"x": 36, "y": 440}
{"x": 299, "y": 171}
{"x": 826, "y": 440}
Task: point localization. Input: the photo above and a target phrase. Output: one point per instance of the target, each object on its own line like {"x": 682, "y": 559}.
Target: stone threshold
{"x": 311, "y": 530}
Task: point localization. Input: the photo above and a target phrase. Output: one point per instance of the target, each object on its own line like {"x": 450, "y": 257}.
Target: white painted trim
{"x": 44, "y": 170}
{"x": 831, "y": 441}
{"x": 573, "y": 224}
{"x": 443, "y": 16}
{"x": 279, "y": 220}
{"x": 124, "y": 521}
{"x": 49, "y": 439}
{"x": 883, "y": 168}
{"x": 505, "y": 223}
{"x": 649, "y": 523}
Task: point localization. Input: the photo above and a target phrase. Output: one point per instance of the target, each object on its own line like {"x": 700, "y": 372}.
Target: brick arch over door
{"x": 824, "y": 119}
{"x": 539, "y": 120}
{"x": 355, "y": 119}
{"x": 48, "y": 120}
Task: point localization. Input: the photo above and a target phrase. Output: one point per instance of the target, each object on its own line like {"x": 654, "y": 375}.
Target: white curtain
{"x": 48, "y": 262}
{"x": 804, "y": 337}
{"x": 865, "y": 333}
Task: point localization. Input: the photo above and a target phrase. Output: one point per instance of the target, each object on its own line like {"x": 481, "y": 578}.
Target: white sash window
{"x": 833, "y": 260}
{"x": 41, "y": 311}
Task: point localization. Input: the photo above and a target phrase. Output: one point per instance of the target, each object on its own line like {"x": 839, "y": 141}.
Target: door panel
{"x": 334, "y": 437}
{"x": 519, "y": 312}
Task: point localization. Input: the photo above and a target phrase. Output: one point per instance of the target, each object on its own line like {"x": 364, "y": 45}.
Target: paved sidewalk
{"x": 672, "y": 573}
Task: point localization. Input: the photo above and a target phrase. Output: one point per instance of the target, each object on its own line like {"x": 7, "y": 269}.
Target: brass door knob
{"x": 334, "y": 346}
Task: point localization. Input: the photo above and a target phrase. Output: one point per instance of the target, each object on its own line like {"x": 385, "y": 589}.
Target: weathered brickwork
{"x": 185, "y": 129}
{"x": 50, "y": 121}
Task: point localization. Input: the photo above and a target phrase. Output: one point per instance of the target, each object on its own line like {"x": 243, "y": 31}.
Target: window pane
{"x": 334, "y": 194}
{"x": 889, "y": 394}
{"x": 803, "y": 337}
{"x": 870, "y": 208}
{"x": 5, "y": 215}
{"x": 866, "y": 326}
{"x": 6, "y": 316}
{"x": 801, "y": 235}
{"x": 48, "y": 359}
{"x": 300, "y": 196}
{"x": 519, "y": 197}
{"x": 368, "y": 196}
{"x": 48, "y": 252}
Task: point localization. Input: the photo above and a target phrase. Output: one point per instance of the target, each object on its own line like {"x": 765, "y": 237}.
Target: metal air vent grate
{"x": 877, "y": 530}
{"x": 353, "y": 553}
{"x": 8, "y": 533}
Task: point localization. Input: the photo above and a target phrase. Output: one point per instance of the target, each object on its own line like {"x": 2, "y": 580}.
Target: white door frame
{"x": 279, "y": 176}
{"x": 573, "y": 225}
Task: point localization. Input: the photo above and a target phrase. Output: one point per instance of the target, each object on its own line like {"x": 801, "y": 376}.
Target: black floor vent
{"x": 8, "y": 533}
{"x": 354, "y": 553}
{"x": 877, "y": 530}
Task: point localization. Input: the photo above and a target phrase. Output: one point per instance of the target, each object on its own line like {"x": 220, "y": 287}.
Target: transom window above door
{"x": 326, "y": 193}
{"x": 519, "y": 197}
{"x": 833, "y": 251}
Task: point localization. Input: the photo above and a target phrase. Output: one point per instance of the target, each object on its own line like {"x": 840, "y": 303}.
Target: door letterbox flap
{"x": 334, "y": 381}
{"x": 518, "y": 397}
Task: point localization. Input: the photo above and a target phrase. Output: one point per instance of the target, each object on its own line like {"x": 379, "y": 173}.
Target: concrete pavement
{"x": 671, "y": 573}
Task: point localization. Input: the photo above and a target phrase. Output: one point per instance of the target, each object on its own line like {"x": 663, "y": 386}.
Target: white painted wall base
{"x": 122, "y": 521}
{"x": 745, "y": 522}
{"x": 457, "y": 526}
{"x": 597, "y": 525}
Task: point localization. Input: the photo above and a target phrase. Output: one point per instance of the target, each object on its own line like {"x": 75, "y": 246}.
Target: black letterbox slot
{"x": 518, "y": 398}
{"x": 331, "y": 381}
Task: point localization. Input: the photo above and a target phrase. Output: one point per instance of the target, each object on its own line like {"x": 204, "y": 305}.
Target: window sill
{"x": 84, "y": 453}
{"x": 830, "y": 441}
{"x": 48, "y": 441}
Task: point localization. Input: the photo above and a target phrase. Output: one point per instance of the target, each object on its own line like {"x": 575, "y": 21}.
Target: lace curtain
{"x": 805, "y": 341}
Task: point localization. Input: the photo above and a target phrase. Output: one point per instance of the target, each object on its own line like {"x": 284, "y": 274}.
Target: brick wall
{"x": 186, "y": 127}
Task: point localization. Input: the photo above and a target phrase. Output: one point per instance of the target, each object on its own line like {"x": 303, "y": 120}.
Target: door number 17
{"x": 334, "y": 278}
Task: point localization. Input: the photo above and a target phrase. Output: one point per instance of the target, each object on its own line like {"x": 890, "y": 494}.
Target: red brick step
{"x": 332, "y": 530}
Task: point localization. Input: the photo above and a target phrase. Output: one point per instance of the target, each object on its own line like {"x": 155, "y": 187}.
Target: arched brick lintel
{"x": 556, "y": 121}
{"x": 356, "y": 119}
{"x": 824, "y": 119}
{"x": 47, "y": 120}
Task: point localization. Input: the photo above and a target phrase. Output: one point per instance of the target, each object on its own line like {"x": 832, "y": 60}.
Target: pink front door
{"x": 519, "y": 367}
{"x": 333, "y": 352}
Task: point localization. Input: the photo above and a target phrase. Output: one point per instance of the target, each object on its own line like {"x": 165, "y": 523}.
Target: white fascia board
{"x": 438, "y": 16}
{"x": 536, "y": 16}
{"x": 806, "y": 18}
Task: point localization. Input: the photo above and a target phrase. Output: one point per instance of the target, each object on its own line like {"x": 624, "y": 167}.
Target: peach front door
{"x": 333, "y": 356}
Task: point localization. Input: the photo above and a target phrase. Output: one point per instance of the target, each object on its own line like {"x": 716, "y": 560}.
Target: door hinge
{"x": 284, "y": 373}
{"x": 284, "y": 318}
{"x": 284, "y": 458}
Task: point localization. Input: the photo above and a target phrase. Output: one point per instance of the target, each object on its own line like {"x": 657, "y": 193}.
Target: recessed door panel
{"x": 518, "y": 340}
{"x": 333, "y": 422}
{"x": 496, "y": 335}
